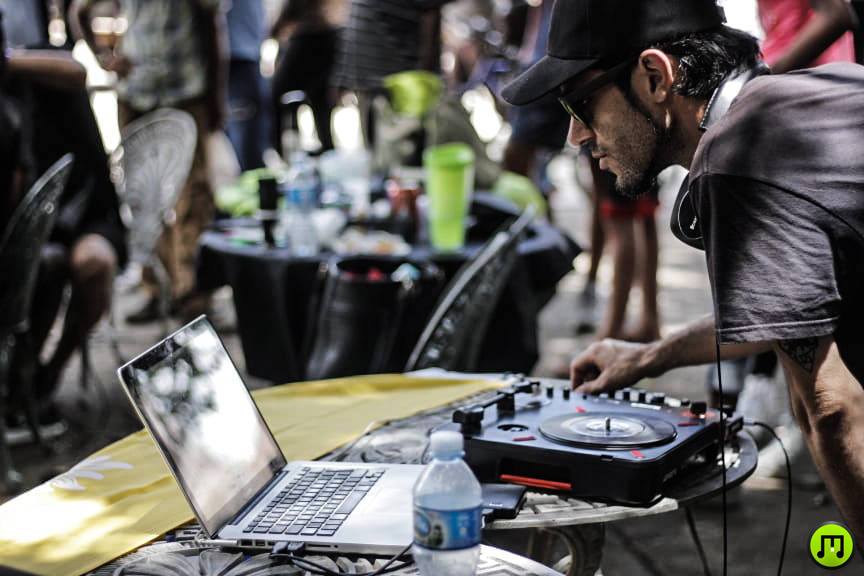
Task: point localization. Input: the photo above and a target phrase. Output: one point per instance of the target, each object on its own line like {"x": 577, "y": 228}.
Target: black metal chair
{"x": 454, "y": 334}
{"x": 20, "y": 248}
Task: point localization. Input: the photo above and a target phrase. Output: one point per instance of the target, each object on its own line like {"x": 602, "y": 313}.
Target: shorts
{"x": 616, "y": 205}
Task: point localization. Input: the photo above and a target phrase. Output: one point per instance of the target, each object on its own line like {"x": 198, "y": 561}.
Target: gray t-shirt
{"x": 778, "y": 184}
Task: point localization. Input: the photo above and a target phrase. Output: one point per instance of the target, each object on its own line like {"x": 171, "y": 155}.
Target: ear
{"x": 654, "y": 75}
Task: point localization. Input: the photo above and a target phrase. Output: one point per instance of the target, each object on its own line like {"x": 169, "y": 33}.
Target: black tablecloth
{"x": 273, "y": 293}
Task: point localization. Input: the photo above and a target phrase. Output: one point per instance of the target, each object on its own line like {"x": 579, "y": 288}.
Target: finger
{"x": 594, "y": 386}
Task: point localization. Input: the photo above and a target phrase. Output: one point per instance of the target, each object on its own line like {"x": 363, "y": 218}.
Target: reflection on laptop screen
{"x": 205, "y": 422}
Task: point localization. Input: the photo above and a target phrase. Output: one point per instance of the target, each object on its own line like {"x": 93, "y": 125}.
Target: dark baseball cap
{"x": 585, "y": 33}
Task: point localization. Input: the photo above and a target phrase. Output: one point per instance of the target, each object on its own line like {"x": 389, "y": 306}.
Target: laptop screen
{"x": 205, "y": 423}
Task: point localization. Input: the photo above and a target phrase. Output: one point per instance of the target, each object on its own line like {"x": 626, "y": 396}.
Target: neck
{"x": 688, "y": 134}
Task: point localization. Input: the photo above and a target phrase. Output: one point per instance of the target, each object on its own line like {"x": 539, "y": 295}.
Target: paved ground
{"x": 101, "y": 414}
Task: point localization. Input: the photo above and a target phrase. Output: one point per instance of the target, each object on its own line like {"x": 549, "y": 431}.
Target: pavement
{"x": 98, "y": 413}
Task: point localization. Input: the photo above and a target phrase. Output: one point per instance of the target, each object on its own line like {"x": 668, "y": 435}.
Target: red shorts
{"x": 642, "y": 207}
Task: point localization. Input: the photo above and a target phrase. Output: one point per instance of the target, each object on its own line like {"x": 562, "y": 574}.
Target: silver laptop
{"x": 193, "y": 401}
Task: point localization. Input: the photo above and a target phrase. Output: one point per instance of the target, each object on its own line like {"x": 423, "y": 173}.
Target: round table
{"x": 578, "y": 523}
{"x": 273, "y": 289}
{"x": 188, "y": 558}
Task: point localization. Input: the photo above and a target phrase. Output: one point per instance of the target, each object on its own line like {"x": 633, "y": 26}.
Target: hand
{"x": 609, "y": 365}
{"x": 110, "y": 62}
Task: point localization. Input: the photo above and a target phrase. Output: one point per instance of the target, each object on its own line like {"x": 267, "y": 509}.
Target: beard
{"x": 640, "y": 151}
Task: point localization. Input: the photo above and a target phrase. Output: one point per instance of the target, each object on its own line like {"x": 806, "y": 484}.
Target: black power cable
{"x": 722, "y": 444}
{"x": 788, "y": 488}
{"x": 286, "y": 550}
{"x": 695, "y": 535}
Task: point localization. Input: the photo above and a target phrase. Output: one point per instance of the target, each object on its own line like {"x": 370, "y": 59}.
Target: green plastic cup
{"x": 449, "y": 187}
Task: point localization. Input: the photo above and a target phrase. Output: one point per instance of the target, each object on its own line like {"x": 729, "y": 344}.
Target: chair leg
{"x": 10, "y": 479}
{"x": 112, "y": 338}
{"x": 28, "y": 384}
{"x": 85, "y": 364}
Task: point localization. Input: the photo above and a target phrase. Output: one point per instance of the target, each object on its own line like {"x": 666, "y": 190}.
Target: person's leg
{"x": 648, "y": 327}
{"x": 244, "y": 110}
{"x": 194, "y": 211}
{"x": 620, "y": 236}
{"x": 92, "y": 265}
{"x": 587, "y": 302}
{"x": 601, "y": 184}
{"x": 48, "y": 292}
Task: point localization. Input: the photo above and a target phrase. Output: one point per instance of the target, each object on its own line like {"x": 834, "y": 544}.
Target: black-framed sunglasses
{"x": 575, "y": 101}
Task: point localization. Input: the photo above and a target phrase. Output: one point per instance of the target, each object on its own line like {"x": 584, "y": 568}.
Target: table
{"x": 272, "y": 292}
{"x": 579, "y": 523}
{"x": 184, "y": 557}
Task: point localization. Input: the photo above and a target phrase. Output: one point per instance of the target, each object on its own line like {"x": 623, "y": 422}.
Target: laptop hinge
{"x": 255, "y": 499}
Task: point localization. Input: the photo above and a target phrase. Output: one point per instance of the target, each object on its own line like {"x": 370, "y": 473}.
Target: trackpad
{"x": 389, "y": 502}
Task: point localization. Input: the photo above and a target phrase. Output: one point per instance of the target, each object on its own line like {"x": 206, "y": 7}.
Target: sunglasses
{"x": 575, "y": 101}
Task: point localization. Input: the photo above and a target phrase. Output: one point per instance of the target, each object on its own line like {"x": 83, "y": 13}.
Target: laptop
{"x": 242, "y": 490}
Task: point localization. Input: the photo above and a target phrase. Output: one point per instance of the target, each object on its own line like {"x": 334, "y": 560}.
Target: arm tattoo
{"x": 802, "y": 351}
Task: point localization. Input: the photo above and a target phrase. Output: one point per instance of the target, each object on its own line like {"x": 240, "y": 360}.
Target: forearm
{"x": 693, "y": 345}
{"x": 831, "y": 18}
{"x": 47, "y": 67}
{"x": 81, "y": 24}
{"x": 828, "y": 403}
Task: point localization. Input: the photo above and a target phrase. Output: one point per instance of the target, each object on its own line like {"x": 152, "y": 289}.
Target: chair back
{"x": 150, "y": 168}
{"x": 22, "y": 241}
{"x": 452, "y": 338}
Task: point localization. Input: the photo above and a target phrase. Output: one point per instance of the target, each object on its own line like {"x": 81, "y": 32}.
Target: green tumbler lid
{"x": 453, "y": 155}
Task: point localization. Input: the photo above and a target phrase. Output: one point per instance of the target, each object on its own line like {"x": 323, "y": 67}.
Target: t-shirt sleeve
{"x": 770, "y": 259}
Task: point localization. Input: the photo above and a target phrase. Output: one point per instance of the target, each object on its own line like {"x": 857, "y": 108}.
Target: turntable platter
{"x": 608, "y": 431}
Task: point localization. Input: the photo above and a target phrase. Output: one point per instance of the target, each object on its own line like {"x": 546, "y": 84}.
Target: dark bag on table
{"x": 367, "y": 320}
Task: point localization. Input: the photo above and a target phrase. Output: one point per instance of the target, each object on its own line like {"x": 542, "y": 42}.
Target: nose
{"x": 579, "y": 134}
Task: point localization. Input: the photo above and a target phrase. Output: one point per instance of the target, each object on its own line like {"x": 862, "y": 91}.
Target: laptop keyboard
{"x": 315, "y": 503}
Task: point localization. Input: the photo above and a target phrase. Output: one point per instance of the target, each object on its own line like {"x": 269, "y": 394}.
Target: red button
{"x": 580, "y": 410}
{"x": 637, "y": 454}
{"x": 524, "y": 439}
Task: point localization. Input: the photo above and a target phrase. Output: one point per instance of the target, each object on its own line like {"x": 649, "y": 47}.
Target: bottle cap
{"x": 446, "y": 444}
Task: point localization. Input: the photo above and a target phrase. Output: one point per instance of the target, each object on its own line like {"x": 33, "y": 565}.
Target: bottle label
{"x": 446, "y": 529}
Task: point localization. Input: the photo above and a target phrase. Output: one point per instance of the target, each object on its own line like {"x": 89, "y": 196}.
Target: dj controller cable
{"x": 750, "y": 423}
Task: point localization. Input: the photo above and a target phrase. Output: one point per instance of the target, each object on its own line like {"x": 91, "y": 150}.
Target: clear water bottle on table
{"x": 447, "y": 511}
{"x": 301, "y": 200}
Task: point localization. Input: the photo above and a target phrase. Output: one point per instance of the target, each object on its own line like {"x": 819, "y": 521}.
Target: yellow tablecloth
{"x": 123, "y": 496}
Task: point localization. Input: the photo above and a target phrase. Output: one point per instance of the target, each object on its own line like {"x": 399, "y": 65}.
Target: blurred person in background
{"x": 307, "y": 51}
{"x": 87, "y": 245}
{"x": 382, "y": 38}
{"x": 806, "y": 33}
{"x": 247, "y": 109}
{"x": 627, "y": 225}
{"x": 173, "y": 54}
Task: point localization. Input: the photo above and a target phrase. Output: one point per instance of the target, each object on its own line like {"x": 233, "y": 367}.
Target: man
{"x": 247, "y": 114}
{"x": 87, "y": 244}
{"x": 172, "y": 55}
{"x": 775, "y": 196}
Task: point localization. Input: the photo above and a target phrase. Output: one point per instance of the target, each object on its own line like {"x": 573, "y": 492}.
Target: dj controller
{"x": 622, "y": 448}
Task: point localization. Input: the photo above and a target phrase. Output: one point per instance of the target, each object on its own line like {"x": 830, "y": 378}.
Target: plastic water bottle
{"x": 301, "y": 199}
{"x": 447, "y": 511}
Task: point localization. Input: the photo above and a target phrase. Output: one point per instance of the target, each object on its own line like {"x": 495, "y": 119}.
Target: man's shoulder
{"x": 772, "y": 118}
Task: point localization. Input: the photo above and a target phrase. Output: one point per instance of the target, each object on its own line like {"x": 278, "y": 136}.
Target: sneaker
{"x": 772, "y": 463}
{"x": 765, "y": 400}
